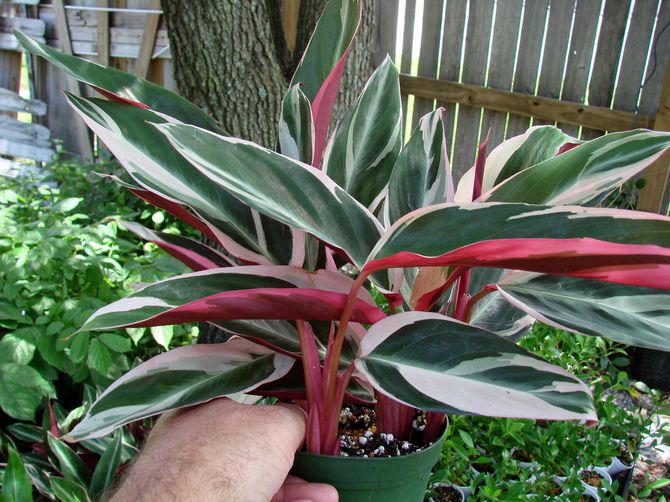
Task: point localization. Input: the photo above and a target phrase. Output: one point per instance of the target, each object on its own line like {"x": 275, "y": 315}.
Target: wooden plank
{"x": 450, "y": 61}
{"x": 25, "y": 150}
{"x": 610, "y": 43}
{"x": 148, "y": 41}
{"x": 10, "y": 101}
{"x": 385, "y": 31}
{"x": 32, "y": 27}
{"x": 555, "y": 51}
{"x": 290, "y": 10}
{"x": 429, "y": 55}
{"x": 84, "y": 141}
{"x": 632, "y": 63}
{"x": 37, "y": 131}
{"x": 8, "y": 42}
{"x": 582, "y": 45}
{"x": 406, "y": 57}
{"x": 653, "y": 88}
{"x": 528, "y": 59}
{"x": 474, "y": 72}
{"x": 594, "y": 117}
{"x": 501, "y": 70}
{"x": 102, "y": 41}
{"x": 652, "y": 195}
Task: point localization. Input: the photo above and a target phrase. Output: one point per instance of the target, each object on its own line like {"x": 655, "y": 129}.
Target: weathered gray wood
{"x": 102, "y": 35}
{"x": 8, "y": 42}
{"x": 385, "y": 33}
{"x": 632, "y": 64}
{"x": 581, "y": 52}
{"x": 528, "y": 60}
{"x": 501, "y": 70}
{"x": 32, "y": 27}
{"x": 429, "y": 55}
{"x": 406, "y": 57}
{"x": 148, "y": 41}
{"x": 610, "y": 43}
{"x": 555, "y": 50}
{"x": 10, "y": 101}
{"x": 474, "y": 72}
{"x": 25, "y": 150}
{"x": 653, "y": 88}
{"x": 15, "y": 135}
{"x": 450, "y": 60}
{"x": 12, "y": 126}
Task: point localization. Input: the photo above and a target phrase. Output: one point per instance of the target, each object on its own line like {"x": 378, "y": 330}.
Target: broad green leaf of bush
{"x": 16, "y": 485}
{"x": 22, "y": 389}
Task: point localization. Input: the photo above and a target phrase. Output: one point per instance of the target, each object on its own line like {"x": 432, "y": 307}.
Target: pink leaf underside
{"x": 176, "y": 210}
{"x": 266, "y": 303}
{"x": 119, "y": 99}
{"x": 631, "y": 264}
{"x": 322, "y": 106}
{"x": 191, "y": 259}
{"x": 566, "y": 147}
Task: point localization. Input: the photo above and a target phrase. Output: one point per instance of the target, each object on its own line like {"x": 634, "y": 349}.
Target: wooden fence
{"x": 501, "y": 65}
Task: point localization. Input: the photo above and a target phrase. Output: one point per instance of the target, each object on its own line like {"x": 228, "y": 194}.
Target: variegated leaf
{"x": 634, "y": 316}
{"x": 121, "y": 86}
{"x": 322, "y": 63}
{"x": 296, "y": 128}
{"x": 153, "y": 163}
{"x": 421, "y": 176}
{"x": 363, "y": 149}
{"x": 435, "y": 363}
{"x": 585, "y": 173}
{"x": 536, "y": 145}
{"x": 284, "y": 189}
{"x": 610, "y": 245}
{"x": 181, "y": 377}
{"x": 195, "y": 255}
{"x": 253, "y": 292}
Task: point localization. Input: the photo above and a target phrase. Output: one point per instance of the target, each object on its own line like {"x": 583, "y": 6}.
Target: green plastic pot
{"x": 391, "y": 479}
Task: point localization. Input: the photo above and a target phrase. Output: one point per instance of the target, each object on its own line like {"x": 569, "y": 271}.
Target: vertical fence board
{"x": 528, "y": 60}
{"x": 610, "y": 43}
{"x": 555, "y": 52}
{"x": 635, "y": 51}
{"x": 406, "y": 58}
{"x": 429, "y": 54}
{"x": 649, "y": 100}
{"x": 581, "y": 51}
{"x": 148, "y": 41}
{"x": 474, "y": 72}
{"x": 501, "y": 70}
{"x": 450, "y": 61}
{"x": 102, "y": 38}
{"x": 387, "y": 14}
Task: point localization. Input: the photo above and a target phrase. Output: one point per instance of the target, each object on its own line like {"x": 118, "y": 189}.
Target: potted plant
{"x": 310, "y": 233}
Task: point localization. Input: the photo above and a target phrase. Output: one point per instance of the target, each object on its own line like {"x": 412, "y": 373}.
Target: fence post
{"x": 63, "y": 33}
{"x": 656, "y": 175}
{"x": 148, "y": 41}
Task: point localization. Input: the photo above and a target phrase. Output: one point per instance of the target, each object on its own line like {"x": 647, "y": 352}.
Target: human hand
{"x": 226, "y": 452}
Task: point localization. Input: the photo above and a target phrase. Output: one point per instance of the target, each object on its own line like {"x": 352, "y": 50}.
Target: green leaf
{"x": 26, "y": 432}
{"x": 631, "y": 315}
{"x": 136, "y": 334}
{"x": 435, "y": 363}
{"x": 16, "y": 486}
{"x": 69, "y": 463}
{"x": 421, "y": 175}
{"x": 296, "y": 129}
{"x": 16, "y": 348}
{"x": 122, "y": 84}
{"x": 162, "y": 335}
{"x": 78, "y": 349}
{"x": 363, "y": 149}
{"x": 22, "y": 389}
{"x": 67, "y": 490}
{"x": 585, "y": 173}
{"x": 67, "y": 205}
{"x": 467, "y": 439}
{"x": 117, "y": 343}
{"x": 99, "y": 357}
{"x": 182, "y": 377}
{"x": 103, "y": 476}
{"x": 292, "y": 193}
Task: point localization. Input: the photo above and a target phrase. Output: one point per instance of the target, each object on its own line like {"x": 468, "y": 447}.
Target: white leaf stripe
{"x": 182, "y": 377}
{"x": 482, "y": 374}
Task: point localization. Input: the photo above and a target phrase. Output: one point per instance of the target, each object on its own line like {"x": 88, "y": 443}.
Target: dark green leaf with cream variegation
{"x": 435, "y": 363}
{"x": 182, "y": 377}
{"x": 296, "y": 128}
